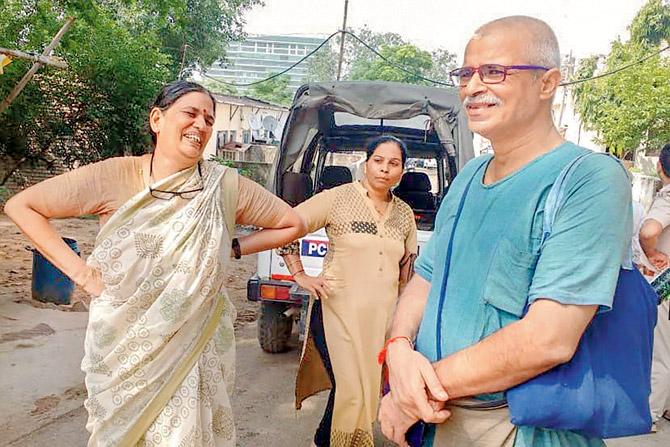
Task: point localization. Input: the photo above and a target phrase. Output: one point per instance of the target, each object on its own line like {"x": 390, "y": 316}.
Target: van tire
{"x": 274, "y": 328}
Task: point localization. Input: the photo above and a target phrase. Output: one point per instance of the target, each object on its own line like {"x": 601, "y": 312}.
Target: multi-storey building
{"x": 260, "y": 56}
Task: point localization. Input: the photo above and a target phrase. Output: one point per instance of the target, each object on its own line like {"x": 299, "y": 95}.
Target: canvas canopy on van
{"x": 344, "y": 114}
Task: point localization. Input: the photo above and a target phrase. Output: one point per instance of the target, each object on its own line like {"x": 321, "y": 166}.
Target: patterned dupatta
{"x": 163, "y": 263}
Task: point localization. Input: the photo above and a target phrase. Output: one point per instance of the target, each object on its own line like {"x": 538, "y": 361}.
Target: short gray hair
{"x": 542, "y": 48}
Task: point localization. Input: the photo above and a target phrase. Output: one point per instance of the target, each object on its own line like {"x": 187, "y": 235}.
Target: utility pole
{"x": 569, "y": 71}
{"x": 344, "y": 28}
{"x": 183, "y": 59}
{"x": 36, "y": 66}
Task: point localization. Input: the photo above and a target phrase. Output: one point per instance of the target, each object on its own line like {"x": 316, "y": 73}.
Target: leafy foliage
{"x": 405, "y": 55}
{"x": 361, "y": 63}
{"x": 219, "y": 87}
{"x": 275, "y": 91}
{"x": 119, "y": 53}
{"x": 630, "y": 109}
{"x": 243, "y": 171}
{"x": 322, "y": 65}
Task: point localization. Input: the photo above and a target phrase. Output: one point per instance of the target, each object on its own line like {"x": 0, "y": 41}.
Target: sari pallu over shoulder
{"x": 163, "y": 264}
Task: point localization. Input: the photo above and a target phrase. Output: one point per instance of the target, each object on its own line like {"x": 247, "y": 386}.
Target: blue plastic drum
{"x": 50, "y": 285}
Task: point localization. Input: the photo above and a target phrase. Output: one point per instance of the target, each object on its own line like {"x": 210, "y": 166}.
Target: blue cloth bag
{"x": 603, "y": 391}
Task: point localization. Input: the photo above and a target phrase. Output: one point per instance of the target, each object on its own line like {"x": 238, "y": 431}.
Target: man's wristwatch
{"x": 235, "y": 245}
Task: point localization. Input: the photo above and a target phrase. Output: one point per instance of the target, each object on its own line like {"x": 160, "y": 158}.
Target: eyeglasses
{"x": 167, "y": 195}
{"x": 488, "y": 73}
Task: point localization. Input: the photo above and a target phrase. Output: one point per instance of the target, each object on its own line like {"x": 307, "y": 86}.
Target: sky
{"x": 584, "y": 26}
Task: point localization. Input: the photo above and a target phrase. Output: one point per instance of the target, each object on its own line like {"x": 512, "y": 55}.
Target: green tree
{"x": 119, "y": 53}
{"x": 361, "y": 63}
{"x": 219, "y": 87}
{"x": 276, "y": 91}
{"x": 630, "y": 109}
{"x": 651, "y": 26}
{"x": 443, "y": 62}
{"x": 416, "y": 61}
{"x": 195, "y": 31}
{"x": 322, "y": 65}
{"x": 357, "y": 57}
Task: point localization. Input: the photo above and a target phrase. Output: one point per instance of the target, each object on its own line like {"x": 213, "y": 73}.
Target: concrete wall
{"x": 646, "y": 163}
{"x": 258, "y": 172}
{"x": 644, "y": 189}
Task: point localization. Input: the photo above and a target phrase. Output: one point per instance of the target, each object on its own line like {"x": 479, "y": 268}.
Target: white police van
{"x": 323, "y": 146}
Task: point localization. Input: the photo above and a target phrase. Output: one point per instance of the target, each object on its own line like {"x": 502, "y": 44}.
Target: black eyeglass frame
{"x": 173, "y": 193}
{"x": 456, "y": 76}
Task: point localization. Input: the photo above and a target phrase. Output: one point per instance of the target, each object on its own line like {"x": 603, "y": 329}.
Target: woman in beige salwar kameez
{"x": 372, "y": 244}
{"x": 159, "y": 349}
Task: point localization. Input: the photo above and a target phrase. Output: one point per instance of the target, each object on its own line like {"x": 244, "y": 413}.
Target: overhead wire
{"x": 385, "y": 59}
{"x": 276, "y": 75}
{"x": 413, "y": 73}
{"x": 617, "y": 70}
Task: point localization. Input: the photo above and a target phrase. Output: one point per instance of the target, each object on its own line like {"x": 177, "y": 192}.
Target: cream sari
{"x": 159, "y": 350}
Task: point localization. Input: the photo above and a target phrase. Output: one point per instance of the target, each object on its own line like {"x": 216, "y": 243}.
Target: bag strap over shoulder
{"x": 556, "y": 196}
{"x": 230, "y": 187}
{"x": 445, "y": 278}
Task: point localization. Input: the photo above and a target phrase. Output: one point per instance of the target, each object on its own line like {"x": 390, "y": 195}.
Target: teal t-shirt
{"x": 498, "y": 263}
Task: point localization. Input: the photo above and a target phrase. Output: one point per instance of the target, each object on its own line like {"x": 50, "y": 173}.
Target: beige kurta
{"x": 101, "y": 188}
{"x": 362, "y": 267}
{"x": 163, "y": 265}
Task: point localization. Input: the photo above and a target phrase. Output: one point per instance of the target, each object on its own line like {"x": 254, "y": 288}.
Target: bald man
{"x": 497, "y": 265}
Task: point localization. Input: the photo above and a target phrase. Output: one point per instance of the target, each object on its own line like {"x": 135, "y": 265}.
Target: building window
{"x": 221, "y": 138}
{"x": 228, "y": 155}
{"x": 246, "y": 136}
{"x": 233, "y": 136}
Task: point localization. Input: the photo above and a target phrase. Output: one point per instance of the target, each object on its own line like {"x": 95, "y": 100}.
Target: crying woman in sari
{"x": 159, "y": 350}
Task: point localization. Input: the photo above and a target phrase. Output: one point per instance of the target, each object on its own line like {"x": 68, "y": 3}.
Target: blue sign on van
{"x": 314, "y": 248}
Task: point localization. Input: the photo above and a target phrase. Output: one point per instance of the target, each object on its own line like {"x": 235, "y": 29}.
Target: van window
{"x": 352, "y": 160}
{"x": 418, "y": 122}
{"x": 418, "y": 186}
{"x": 427, "y": 165}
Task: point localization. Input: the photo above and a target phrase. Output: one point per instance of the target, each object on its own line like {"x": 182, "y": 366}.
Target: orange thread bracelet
{"x": 381, "y": 357}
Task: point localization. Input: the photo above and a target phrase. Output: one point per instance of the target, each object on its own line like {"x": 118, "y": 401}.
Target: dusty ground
{"x": 16, "y": 267}
{"x": 41, "y": 346}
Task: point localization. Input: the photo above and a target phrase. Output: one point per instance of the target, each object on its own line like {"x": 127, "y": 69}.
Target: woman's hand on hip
{"x": 317, "y": 286}
{"x": 93, "y": 282}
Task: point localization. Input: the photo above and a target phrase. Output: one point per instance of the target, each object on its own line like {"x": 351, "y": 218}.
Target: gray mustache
{"x": 481, "y": 99}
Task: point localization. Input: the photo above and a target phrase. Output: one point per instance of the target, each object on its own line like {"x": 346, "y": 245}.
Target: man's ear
{"x": 156, "y": 119}
{"x": 549, "y": 82}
